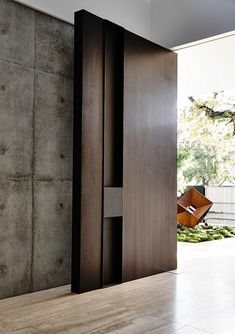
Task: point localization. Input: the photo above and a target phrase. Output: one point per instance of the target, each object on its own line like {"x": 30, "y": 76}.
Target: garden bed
{"x": 203, "y": 232}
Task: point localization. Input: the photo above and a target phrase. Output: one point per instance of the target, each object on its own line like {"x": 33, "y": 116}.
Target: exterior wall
{"x": 223, "y": 209}
{"x": 36, "y": 103}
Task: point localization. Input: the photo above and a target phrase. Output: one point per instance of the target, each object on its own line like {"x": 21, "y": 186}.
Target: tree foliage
{"x": 206, "y": 142}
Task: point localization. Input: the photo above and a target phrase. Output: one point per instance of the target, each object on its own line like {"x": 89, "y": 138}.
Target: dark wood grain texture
{"x": 149, "y": 170}
{"x": 124, "y": 141}
{"x": 113, "y": 105}
{"x": 113, "y": 153}
{"x": 112, "y": 256}
{"x": 88, "y": 153}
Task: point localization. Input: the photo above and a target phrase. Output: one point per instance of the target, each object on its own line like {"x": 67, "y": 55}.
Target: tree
{"x": 206, "y": 142}
{"x": 210, "y": 110}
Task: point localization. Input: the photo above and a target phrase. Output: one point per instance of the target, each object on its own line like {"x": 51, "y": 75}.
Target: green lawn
{"x": 204, "y": 233}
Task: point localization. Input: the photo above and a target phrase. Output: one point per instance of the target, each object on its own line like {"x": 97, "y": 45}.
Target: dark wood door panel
{"x": 113, "y": 105}
{"x": 88, "y": 153}
{"x": 112, "y": 248}
{"x": 149, "y": 169}
{"x": 113, "y": 153}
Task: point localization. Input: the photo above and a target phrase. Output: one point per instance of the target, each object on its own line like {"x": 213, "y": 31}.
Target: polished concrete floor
{"x": 197, "y": 298}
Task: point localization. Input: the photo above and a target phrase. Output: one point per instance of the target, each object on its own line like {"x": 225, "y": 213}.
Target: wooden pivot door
{"x": 149, "y": 158}
{"x": 124, "y": 170}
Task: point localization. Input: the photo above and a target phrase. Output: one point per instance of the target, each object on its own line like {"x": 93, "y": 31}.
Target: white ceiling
{"x": 166, "y": 22}
{"x": 176, "y": 22}
{"x": 134, "y": 15}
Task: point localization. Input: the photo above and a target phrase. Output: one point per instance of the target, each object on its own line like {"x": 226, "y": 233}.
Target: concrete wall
{"x": 36, "y": 98}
